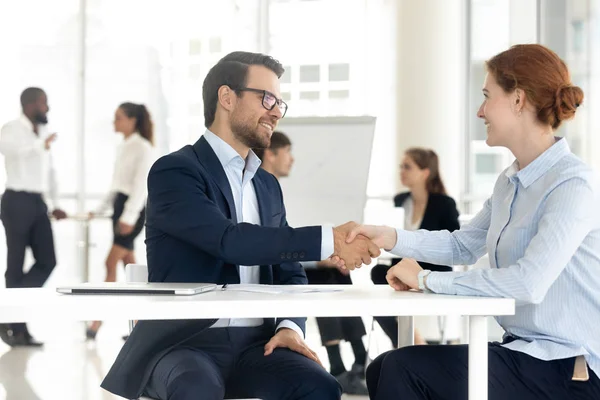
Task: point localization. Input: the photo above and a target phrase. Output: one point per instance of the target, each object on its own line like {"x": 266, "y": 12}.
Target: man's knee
{"x": 400, "y": 358}
{"x": 374, "y": 369}
{"x": 184, "y": 374}
{"x": 46, "y": 260}
{"x": 325, "y": 387}
{"x": 46, "y": 265}
{"x": 192, "y": 385}
{"x": 49, "y": 263}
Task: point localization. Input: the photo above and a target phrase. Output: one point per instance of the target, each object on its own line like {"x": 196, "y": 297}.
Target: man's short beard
{"x": 40, "y": 118}
{"x": 248, "y": 135}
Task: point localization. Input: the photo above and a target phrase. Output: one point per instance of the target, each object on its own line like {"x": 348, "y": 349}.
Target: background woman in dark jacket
{"x": 426, "y": 206}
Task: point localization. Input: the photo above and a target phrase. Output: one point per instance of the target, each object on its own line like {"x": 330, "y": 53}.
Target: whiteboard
{"x": 328, "y": 181}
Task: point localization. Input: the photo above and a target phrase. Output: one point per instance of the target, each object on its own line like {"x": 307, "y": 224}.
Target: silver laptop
{"x": 184, "y": 289}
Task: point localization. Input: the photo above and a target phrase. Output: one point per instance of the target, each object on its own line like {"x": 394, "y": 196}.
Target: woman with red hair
{"x": 541, "y": 229}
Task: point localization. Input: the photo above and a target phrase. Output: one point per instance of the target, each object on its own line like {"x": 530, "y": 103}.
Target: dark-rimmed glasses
{"x": 269, "y": 100}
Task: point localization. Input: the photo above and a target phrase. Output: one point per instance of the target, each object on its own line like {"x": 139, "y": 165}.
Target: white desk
{"x": 45, "y": 304}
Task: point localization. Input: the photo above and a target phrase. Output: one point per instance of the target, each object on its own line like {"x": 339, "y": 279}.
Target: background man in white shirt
{"x": 29, "y": 174}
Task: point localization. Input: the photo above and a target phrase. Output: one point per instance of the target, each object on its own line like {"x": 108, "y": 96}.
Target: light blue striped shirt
{"x": 541, "y": 229}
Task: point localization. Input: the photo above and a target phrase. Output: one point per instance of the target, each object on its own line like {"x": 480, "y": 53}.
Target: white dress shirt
{"x": 135, "y": 156}
{"x": 409, "y": 211}
{"x": 541, "y": 229}
{"x": 29, "y": 165}
{"x": 239, "y": 174}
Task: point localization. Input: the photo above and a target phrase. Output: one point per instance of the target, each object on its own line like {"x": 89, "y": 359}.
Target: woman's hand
{"x": 404, "y": 275}
{"x": 383, "y": 236}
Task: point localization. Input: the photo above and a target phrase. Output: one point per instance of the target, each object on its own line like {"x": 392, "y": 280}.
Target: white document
{"x": 276, "y": 289}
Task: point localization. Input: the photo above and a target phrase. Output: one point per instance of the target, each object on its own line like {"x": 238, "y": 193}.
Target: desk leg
{"x": 478, "y": 358}
{"x": 464, "y": 329}
{"x": 86, "y": 255}
{"x": 406, "y": 331}
{"x": 86, "y": 251}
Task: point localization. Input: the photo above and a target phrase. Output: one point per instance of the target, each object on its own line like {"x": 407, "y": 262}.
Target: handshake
{"x": 355, "y": 245}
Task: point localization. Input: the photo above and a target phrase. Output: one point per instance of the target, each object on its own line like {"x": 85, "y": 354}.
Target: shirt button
{"x": 289, "y": 256}
{"x": 283, "y": 256}
{"x": 302, "y": 255}
{"x": 295, "y": 255}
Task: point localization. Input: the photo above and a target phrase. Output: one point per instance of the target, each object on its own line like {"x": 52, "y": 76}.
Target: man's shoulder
{"x": 14, "y": 124}
{"x": 182, "y": 158}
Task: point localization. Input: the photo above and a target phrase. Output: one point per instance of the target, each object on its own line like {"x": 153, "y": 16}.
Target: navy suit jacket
{"x": 192, "y": 236}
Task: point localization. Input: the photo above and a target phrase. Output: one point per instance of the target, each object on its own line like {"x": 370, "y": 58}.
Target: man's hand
{"x": 352, "y": 255}
{"x": 59, "y": 214}
{"x": 404, "y": 275}
{"x": 49, "y": 141}
{"x": 383, "y": 236}
{"x": 125, "y": 229}
{"x": 289, "y": 339}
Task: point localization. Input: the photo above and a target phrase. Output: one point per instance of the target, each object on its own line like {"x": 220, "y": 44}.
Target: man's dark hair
{"x": 30, "y": 95}
{"x": 232, "y": 70}
{"x": 279, "y": 140}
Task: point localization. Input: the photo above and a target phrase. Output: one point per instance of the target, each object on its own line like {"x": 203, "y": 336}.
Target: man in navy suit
{"x": 214, "y": 216}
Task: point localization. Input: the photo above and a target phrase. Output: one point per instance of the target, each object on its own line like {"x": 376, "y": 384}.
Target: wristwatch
{"x": 421, "y": 278}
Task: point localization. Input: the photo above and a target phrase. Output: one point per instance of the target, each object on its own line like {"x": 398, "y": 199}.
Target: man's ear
{"x": 226, "y": 97}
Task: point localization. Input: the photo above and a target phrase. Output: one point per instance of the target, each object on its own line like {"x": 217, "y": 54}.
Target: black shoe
{"x": 6, "y": 334}
{"x": 358, "y": 370}
{"x": 24, "y": 340}
{"x": 352, "y": 384}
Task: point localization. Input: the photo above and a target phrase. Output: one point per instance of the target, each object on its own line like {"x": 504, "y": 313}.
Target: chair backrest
{"x": 136, "y": 273}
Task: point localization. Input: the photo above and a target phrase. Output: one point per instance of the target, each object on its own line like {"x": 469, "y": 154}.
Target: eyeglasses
{"x": 269, "y": 100}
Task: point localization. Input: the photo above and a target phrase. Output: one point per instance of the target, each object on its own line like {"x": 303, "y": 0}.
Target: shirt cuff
{"x": 286, "y": 323}
{"x": 129, "y": 218}
{"x": 309, "y": 264}
{"x": 403, "y": 241}
{"x": 442, "y": 282}
{"x": 326, "y": 241}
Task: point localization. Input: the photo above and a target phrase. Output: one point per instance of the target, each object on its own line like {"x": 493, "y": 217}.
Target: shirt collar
{"x": 133, "y": 136}
{"x": 227, "y": 155}
{"x": 541, "y": 164}
{"x": 25, "y": 121}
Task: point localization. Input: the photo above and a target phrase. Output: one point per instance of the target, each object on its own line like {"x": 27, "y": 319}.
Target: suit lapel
{"x": 208, "y": 158}
{"x": 263, "y": 199}
{"x": 264, "y": 210}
